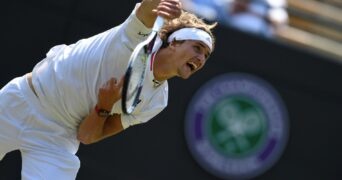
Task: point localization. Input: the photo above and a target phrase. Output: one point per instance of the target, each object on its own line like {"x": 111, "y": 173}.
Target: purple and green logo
{"x": 236, "y": 126}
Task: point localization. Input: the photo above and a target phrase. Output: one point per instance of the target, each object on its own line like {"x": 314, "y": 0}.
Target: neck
{"x": 161, "y": 68}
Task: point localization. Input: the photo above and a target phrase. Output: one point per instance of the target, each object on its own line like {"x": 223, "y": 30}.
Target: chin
{"x": 185, "y": 76}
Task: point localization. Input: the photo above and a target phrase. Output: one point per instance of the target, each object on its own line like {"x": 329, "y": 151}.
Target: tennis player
{"x": 73, "y": 95}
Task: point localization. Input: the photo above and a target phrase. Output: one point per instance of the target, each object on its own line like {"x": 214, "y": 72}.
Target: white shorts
{"x": 47, "y": 148}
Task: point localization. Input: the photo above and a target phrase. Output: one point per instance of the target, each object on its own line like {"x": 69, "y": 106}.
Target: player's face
{"x": 191, "y": 56}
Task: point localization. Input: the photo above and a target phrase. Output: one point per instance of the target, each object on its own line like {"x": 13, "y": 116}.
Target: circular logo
{"x": 236, "y": 126}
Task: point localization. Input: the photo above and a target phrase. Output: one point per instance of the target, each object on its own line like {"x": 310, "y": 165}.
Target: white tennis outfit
{"x": 67, "y": 82}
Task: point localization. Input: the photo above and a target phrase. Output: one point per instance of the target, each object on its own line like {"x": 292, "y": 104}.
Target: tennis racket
{"x": 136, "y": 70}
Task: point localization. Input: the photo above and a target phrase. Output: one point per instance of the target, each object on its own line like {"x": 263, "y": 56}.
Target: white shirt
{"x": 67, "y": 81}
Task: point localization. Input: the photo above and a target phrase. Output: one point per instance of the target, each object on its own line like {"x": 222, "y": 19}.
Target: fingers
{"x": 110, "y": 92}
{"x": 171, "y": 3}
{"x": 113, "y": 84}
{"x": 169, "y": 9}
{"x": 121, "y": 81}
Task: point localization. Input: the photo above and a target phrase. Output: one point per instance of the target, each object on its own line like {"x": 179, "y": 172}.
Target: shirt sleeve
{"x": 150, "y": 109}
{"x": 126, "y": 37}
{"x": 135, "y": 30}
{"x": 142, "y": 117}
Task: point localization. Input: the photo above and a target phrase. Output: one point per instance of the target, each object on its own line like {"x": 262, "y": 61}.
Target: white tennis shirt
{"x": 67, "y": 81}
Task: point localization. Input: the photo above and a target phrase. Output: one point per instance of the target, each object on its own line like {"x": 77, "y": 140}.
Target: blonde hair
{"x": 186, "y": 20}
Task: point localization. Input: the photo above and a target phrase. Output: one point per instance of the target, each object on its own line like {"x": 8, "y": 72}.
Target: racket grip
{"x": 158, "y": 24}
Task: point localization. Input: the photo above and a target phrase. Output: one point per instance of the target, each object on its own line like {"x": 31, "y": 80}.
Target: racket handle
{"x": 158, "y": 24}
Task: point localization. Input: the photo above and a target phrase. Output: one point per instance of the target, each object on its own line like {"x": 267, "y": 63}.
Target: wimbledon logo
{"x": 236, "y": 126}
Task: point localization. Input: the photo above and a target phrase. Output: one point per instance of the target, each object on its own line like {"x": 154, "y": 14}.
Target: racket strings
{"x": 135, "y": 74}
{"x": 136, "y": 79}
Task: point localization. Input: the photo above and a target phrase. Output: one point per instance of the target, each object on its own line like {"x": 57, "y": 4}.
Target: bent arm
{"x": 95, "y": 128}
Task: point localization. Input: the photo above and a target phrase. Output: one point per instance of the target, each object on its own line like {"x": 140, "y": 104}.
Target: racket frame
{"x": 147, "y": 47}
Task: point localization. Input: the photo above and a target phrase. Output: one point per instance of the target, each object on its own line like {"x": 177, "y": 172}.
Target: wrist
{"x": 145, "y": 14}
{"x": 102, "y": 112}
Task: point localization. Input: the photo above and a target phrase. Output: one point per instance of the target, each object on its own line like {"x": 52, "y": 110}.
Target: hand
{"x": 150, "y": 9}
{"x": 109, "y": 93}
{"x": 169, "y": 9}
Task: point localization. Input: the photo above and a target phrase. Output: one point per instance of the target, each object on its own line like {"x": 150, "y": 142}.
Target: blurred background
{"x": 293, "y": 45}
{"x": 309, "y": 24}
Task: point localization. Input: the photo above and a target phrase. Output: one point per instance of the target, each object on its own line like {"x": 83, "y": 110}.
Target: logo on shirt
{"x": 143, "y": 34}
{"x": 236, "y": 126}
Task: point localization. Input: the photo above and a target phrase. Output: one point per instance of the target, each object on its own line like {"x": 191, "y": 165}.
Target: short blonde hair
{"x": 186, "y": 20}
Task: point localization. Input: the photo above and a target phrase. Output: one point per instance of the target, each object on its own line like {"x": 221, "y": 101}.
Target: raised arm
{"x": 150, "y": 9}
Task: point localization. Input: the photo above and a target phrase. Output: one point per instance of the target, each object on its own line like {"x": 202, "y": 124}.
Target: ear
{"x": 172, "y": 45}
